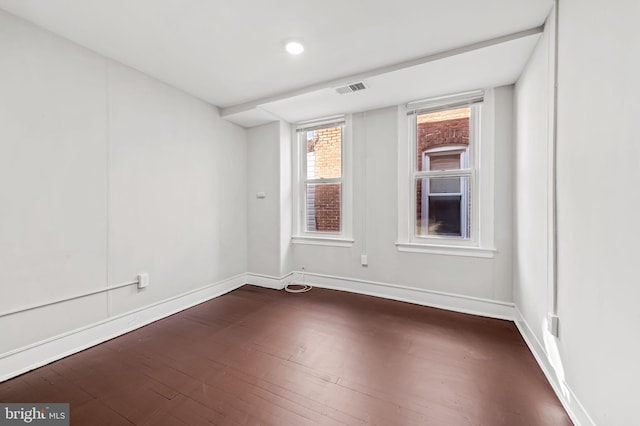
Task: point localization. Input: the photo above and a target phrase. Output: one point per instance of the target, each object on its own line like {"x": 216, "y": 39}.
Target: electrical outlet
{"x": 553, "y": 324}
{"x": 363, "y": 260}
{"x": 143, "y": 280}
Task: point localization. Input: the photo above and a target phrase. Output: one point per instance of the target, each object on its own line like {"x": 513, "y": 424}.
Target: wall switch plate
{"x": 143, "y": 280}
{"x": 553, "y": 324}
{"x": 364, "y": 260}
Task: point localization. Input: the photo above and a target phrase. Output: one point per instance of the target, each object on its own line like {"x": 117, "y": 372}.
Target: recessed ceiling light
{"x": 294, "y": 48}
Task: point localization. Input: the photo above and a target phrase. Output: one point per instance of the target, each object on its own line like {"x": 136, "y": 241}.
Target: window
{"x": 322, "y": 171}
{"x": 439, "y": 182}
{"x": 443, "y": 173}
{"x": 322, "y": 201}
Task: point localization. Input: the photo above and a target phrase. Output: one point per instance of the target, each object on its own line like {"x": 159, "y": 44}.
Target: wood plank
{"x": 260, "y": 356}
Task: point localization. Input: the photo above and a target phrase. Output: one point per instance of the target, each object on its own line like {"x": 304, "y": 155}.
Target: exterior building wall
{"x": 448, "y": 128}
{"x": 327, "y": 147}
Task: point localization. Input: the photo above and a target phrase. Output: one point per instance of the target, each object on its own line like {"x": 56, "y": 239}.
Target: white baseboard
{"x": 36, "y": 355}
{"x": 269, "y": 281}
{"x": 435, "y": 299}
{"x": 571, "y": 404}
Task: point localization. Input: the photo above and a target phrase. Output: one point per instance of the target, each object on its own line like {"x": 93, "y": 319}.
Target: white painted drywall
{"x": 263, "y": 215}
{"x": 503, "y": 169}
{"x": 375, "y": 214}
{"x": 533, "y": 105}
{"x": 177, "y": 190}
{"x": 269, "y": 219}
{"x": 286, "y": 199}
{"x": 598, "y": 166}
{"x": 598, "y": 202}
{"x": 106, "y": 173}
{"x": 53, "y": 181}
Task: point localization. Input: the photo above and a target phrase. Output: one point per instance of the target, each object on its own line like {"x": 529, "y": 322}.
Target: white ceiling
{"x": 230, "y": 52}
{"x": 491, "y": 66}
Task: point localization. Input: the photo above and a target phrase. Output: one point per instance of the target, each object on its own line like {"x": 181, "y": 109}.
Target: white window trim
{"x": 449, "y": 250}
{"x": 482, "y": 242}
{"x": 300, "y": 236}
{"x": 322, "y": 241}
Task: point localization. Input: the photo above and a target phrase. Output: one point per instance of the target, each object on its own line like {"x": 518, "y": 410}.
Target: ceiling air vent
{"x": 353, "y": 87}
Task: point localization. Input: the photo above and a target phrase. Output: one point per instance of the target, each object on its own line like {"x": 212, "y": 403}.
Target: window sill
{"x": 447, "y": 250}
{"x": 323, "y": 241}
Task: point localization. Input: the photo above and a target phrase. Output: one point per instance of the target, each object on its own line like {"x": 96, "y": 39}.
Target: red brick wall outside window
{"x": 324, "y": 161}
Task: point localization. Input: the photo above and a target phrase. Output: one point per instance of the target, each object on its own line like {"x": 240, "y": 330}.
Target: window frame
{"x": 300, "y": 233}
{"x": 480, "y": 173}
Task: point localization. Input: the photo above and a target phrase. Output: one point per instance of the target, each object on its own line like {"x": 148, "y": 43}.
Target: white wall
{"x": 106, "y": 173}
{"x": 534, "y": 133}
{"x": 286, "y": 199}
{"x": 269, "y": 219}
{"x": 595, "y": 357}
{"x": 263, "y": 215}
{"x": 533, "y": 262}
{"x": 375, "y": 219}
{"x": 598, "y": 203}
{"x": 177, "y": 190}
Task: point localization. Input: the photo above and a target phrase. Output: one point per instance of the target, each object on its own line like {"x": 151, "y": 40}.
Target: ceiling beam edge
{"x": 247, "y": 106}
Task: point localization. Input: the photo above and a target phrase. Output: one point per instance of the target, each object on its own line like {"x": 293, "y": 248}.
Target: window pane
{"x": 443, "y": 207}
{"x": 443, "y": 140}
{"x": 324, "y": 153}
{"x": 323, "y": 204}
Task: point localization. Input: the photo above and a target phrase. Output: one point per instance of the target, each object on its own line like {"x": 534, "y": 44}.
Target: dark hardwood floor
{"x": 259, "y": 356}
